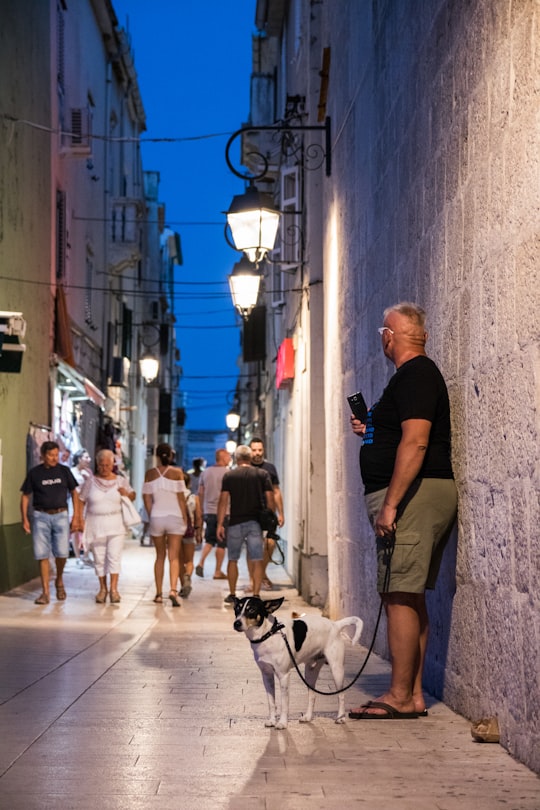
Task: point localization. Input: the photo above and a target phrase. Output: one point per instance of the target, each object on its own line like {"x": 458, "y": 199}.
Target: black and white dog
{"x": 313, "y": 640}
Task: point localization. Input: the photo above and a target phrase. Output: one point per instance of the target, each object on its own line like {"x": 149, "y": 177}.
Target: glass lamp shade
{"x": 149, "y": 366}
{"x": 232, "y": 420}
{"x": 244, "y": 283}
{"x": 230, "y": 446}
{"x": 254, "y": 220}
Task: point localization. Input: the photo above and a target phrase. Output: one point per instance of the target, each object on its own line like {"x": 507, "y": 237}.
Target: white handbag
{"x": 130, "y": 516}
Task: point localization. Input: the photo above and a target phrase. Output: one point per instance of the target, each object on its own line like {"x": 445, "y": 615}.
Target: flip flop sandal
{"x": 42, "y": 600}
{"x": 390, "y": 713}
{"x": 60, "y": 593}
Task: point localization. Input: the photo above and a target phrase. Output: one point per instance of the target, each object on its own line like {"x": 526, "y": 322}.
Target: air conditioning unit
{"x": 78, "y": 140}
{"x": 12, "y": 329}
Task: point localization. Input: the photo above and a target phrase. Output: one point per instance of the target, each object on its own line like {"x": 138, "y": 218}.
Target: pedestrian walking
{"x": 258, "y": 460}
{"x": 104, "y": 528}
{"x": 164, "y": 500}
{"x": 50, "y": 485}
{"x": 209, "y": 492}
{"x": 243, "y": 492}
{"x": 191, "y": 536}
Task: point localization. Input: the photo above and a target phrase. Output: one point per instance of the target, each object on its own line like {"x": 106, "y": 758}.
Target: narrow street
{"x": 140, "y": 705}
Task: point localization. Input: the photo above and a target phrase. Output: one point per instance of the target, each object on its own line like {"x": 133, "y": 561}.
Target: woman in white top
{"x": 163, "y": 496}
{"x": 104, "y": 529}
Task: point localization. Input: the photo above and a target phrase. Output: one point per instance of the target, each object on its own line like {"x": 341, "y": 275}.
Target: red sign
{"x": 285, "y": 364}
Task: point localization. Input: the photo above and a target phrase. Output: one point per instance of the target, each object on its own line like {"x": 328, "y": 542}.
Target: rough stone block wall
{"x": 435, "y": 198}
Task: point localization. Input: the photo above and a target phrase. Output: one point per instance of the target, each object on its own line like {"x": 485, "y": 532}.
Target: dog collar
{"x": 276, "y": 627}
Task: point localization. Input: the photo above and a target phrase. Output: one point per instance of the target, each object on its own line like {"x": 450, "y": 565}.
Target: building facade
{"x": 432, "y": 196}
{"x": 83, "y": 254}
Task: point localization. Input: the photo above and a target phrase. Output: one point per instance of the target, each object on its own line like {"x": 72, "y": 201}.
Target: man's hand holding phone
{"x": 359, "y": 414}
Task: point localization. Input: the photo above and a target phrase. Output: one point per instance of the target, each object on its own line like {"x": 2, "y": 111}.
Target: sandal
{"x": 101, "y": 597}
{"x": 158, "y": 598}
{"x": 173, "y": 596}
{"x": 60, "y": 592}
{"x": 115, "y": 597}
{"x": 42, "y": 600}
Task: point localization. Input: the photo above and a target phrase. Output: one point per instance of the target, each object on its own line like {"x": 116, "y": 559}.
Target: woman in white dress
{"x": 163, "y": 496}
{"x": 104, "y": 529}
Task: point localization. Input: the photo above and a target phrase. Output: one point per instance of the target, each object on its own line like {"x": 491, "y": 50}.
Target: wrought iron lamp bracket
{"x": 290, "y": 144}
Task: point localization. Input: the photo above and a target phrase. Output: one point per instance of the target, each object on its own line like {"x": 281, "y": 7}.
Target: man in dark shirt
{"x": 244, "y": 490}
{"x": 258, "y": 460}
{"x": 50, "y": 485}
{"x": 411, "y": 500}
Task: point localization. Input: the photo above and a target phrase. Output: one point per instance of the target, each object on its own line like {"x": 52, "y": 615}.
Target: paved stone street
{"x": 140, "y": 705}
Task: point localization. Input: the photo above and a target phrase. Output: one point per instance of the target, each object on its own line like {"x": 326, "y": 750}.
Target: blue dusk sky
{"x": 193, "y": 61}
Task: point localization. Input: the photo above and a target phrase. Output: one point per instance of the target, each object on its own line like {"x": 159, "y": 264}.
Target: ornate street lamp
{"x": 254, "y": 220}
{"x": 232, "y": 420}
{"x": 244, "y": 283}
{"x": 149, "y": 366}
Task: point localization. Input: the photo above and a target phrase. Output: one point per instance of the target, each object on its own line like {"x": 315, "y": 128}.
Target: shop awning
{"x": 77, "y": 387}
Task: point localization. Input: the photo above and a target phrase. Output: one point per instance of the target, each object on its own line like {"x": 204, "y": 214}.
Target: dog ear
{"x": 272, "y": 605}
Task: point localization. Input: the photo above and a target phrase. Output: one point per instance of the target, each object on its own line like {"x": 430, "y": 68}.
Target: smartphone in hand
{"x": 358, "y": 406}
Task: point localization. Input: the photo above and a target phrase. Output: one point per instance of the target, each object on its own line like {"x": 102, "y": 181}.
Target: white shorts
{"x": 168, "y": 524}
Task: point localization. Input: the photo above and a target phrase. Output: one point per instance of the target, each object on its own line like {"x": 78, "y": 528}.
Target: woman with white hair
{"x": 104, "y": 530}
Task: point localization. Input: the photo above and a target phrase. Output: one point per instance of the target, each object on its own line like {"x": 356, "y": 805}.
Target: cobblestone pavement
{"x": 144, "y": 706}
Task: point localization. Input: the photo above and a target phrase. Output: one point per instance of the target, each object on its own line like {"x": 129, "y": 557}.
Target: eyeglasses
{"x": 382, "y": 329}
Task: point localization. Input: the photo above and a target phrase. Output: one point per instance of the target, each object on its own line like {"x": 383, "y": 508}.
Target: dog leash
{"x": 388, "y": 552}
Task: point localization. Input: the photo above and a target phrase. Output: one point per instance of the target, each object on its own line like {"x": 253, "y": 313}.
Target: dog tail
{"x": 348, "y": 622}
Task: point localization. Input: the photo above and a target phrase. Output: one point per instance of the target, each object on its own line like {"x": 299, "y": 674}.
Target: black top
{"x": 246, "y": 486}
{"x": 270, "y": 469}
{"x": 416, "y": 391}
{"x": 49, "y": 486}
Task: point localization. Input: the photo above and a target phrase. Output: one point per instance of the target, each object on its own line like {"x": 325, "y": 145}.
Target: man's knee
{"x": 404, "y": 599}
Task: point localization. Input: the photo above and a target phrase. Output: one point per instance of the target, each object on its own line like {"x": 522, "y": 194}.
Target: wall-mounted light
{"x": 244, "y": 283}
{"x": 254, "y": 220}
{"x": 233, "y": 419}
{"x": 253, "y": 217}
{"x": 149, "y": 366}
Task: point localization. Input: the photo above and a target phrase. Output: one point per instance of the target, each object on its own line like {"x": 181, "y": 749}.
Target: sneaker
{"x": 230, "y": 599}
{"x": 199, "y": 571}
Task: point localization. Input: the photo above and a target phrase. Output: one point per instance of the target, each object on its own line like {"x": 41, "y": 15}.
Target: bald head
{"x": 407, "y": 321}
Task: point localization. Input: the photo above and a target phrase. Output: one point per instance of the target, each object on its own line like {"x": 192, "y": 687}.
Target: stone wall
{"x": 434, "y": 197}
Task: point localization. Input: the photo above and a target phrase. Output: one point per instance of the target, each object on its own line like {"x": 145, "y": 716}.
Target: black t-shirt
{"x": 416, "y": 391}
{"x": 49, "y": 486}
{"x": 246, "y": 486}
{"x": 270, "y": 469}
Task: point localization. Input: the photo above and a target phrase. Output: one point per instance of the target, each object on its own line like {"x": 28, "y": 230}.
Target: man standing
{"x": 243, "y": 492}
{"x": 258, "y": 460}
{"x": 50, "y": 484}
{"x": 411, "y": 501}
{"x": 209, "y": 492}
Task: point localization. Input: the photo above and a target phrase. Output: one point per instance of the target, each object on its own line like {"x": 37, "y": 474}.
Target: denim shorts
{"x": 425, "y": 520}
{"x": 50, "y": 535}
{"x": 248, "y": 532}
